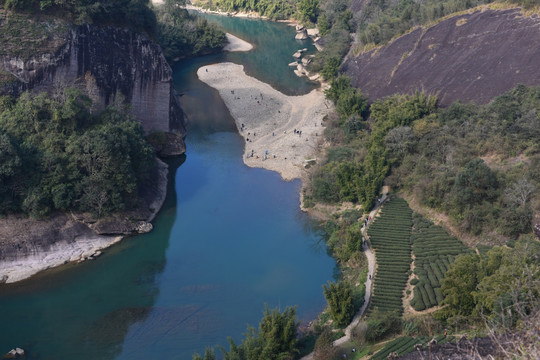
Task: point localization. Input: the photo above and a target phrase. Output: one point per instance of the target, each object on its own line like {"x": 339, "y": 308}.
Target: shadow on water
{"x": 86, "y": 311}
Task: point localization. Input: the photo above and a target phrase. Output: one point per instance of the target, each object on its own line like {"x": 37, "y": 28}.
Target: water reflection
{"x": 85, "y": 311}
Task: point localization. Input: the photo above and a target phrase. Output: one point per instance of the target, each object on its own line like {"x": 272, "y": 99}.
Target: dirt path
{"x": 369, "y": 281}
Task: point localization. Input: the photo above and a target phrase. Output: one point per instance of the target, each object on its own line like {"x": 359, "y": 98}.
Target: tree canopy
{"x": 59, "y": 156}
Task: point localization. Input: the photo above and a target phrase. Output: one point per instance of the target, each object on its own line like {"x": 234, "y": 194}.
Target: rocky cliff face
{"x": 109, "y": 63}
{"x": 470, "y": 57}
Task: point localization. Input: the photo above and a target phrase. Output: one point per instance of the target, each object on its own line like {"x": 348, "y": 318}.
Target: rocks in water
{"x": 144, "y": 227}
{"x": 314, "y": 77}
{"x": 301, "y": 35}
{"x": 306, "y": 61}
{"x": 297, "y": 55}
{"x": 293, "y": 64}
{"x": 16, "y": 353}
{"x": 299, "y": 27}
{"x": 313, "y": 32}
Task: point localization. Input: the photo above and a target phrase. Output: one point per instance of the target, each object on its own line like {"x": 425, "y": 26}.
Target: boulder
{"x": 537, "y": 230}
{"x": 299, "y": 27}
{"x": 301, "y": 35}
{"x": 16, "y": 353}
{"x": 297, "y": 55}
{"x": 144, "y": 227}
{"x": 313, "y": 32}
{"x": 306, "y": 61}
{"x": 293, "y": 64}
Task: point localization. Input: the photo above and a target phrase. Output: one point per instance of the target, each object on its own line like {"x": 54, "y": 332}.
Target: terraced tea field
{"x": 389, "y": 235}
{"x": 434, "y": 251}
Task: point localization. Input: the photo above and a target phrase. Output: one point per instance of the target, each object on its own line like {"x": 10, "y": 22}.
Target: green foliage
{"x": 435, "y": 154}
{"x": 58, "y": 156}
{"x": 308, "y": 10}
{"x": 381, "y": 325}
{"x": 389, "y": 235}
{"x": 182, "y": 35}
{"x": 273, "y": 9}
{"x": 490, "y": 284}
{"x": 446, "y": 168}
{"x": 209, "y": 354}
{"x": 131, "y": 13}
{"x": 474, "y": 184}
{"x": 339, "y": 297}
{"x": 405, "y": 345}
{"x": 359, "y": 180}
{"x": 434, "y": 251}
{"x": 331, "y": 68}
{"x": 381, "y": 21}
{"x": 274, "y": 340}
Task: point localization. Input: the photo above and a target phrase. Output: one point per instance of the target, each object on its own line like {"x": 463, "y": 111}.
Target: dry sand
{"x": 270, "y": 120}
{"x": 236, "y": 44}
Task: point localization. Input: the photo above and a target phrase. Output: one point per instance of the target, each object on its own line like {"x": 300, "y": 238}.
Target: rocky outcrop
{"x": 110, "y": 64}
{"x": 537, "y": 230}
{"x": 470, "y": 57}
{"x": 28, "y": 246}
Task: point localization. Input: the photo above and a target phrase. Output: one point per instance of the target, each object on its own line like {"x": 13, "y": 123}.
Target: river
{"x": 228, "y": 240}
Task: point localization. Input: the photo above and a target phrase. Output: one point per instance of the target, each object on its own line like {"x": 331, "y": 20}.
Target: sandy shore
{"x": 270, "y": 119}
{"x": 236, "y": 44}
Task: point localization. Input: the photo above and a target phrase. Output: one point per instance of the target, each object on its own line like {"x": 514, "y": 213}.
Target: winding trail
{"x": 369, "y": 281}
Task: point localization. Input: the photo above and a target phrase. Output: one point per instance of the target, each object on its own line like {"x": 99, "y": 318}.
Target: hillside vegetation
{"x": 478, "y": 164}
{"x": 56, "y": 155}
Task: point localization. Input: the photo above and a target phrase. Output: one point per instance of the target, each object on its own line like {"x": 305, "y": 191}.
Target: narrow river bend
{"x": 228, "y": 240}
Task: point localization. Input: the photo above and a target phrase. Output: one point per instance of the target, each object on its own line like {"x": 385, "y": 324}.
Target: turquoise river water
{"x": 228, "y": 240}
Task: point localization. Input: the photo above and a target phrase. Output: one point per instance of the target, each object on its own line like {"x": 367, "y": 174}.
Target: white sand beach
{"x": 236, "y": 44}
{"x": 281, "y": 132}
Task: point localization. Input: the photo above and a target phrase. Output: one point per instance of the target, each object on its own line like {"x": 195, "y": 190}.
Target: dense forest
{"x": 56, "y": 155}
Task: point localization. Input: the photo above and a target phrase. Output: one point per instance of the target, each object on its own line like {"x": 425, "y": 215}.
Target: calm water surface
{"x": 228, "y": 240}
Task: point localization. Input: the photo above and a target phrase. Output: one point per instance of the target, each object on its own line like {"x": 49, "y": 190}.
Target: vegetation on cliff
{"x": 56, "y": 155}
{"x": 135, "y": 14}
{"x": 182, "y": 35}
{"x": 36, "y": 26}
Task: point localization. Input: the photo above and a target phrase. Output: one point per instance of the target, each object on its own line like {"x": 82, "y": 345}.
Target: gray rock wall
{"x": 107, "y": 62}
{"x": 470, "y": 57}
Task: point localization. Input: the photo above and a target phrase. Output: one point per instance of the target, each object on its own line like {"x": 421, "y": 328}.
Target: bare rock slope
{"x": 469, "y": 57}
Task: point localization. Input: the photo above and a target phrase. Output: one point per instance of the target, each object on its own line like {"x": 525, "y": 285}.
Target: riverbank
{"x": 252, "y": 15}
{"x": 28, "y": 246}
{"x": 236, "y": 44}
{"x": 282, "y": 133}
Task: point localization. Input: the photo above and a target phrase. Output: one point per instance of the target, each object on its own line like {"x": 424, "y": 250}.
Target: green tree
{"x": 274, "y": 340}
{"x": 460, "y": 283}
{"x": 339, "y": 297}
{"x": 474, "y": 184}
{"x": 309, "y": 10}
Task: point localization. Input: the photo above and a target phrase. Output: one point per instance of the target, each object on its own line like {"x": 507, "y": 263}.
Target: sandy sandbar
{"x": 270, "y": 122}
{"x": 236, "y": 44}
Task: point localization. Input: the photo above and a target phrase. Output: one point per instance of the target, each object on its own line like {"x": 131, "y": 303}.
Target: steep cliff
{"x": 470, "y": 57}
{"x": 109, "y": 63}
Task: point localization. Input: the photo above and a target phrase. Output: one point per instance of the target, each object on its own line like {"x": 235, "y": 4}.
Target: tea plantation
{"x": 434, "y": 250}
{"x": 389, "y": 235}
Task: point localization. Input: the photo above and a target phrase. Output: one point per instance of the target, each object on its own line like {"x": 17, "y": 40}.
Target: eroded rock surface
{"x": 470, "y": 57}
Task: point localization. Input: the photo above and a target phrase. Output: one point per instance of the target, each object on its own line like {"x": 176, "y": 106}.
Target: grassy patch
{"x": 24, "y": 36}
